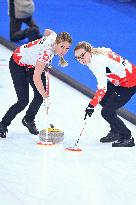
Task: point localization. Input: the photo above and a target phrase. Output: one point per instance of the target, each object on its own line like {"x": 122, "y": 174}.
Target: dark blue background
{"x": 101, "y": 22}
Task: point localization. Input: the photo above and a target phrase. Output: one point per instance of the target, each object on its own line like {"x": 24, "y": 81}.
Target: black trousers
{"x": 115, "y": 98}
{"x": 21, "y": 77}
{"x": 16, "y": 34}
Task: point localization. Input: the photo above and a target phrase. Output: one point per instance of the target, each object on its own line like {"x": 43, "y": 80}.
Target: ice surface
{"x": 34, "y": 175}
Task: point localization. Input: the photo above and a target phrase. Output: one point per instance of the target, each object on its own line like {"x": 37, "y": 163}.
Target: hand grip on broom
{"x": 46, "y": 105}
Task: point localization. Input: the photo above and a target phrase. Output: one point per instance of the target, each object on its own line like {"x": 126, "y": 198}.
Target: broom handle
{"x": 81, "y": 133}
{"x": 47, "y": 109}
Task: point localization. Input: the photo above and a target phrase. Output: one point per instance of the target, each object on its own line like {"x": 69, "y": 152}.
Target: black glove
{"x": 89, "y": 110}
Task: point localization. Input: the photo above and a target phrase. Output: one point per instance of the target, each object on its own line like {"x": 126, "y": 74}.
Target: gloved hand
{"x": 89, "y": 110}
{"x": 46, "y": 103}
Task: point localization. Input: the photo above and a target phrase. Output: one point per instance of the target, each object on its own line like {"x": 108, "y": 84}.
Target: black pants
{"x": 16, "y": 34}
{"x": 115, "y": 98}
{"x": 21, "y": 79}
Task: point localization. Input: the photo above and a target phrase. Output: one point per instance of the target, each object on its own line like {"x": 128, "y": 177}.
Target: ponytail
{"x": 62, "y": 62}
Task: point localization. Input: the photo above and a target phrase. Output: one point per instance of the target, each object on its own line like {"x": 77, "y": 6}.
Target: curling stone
{"x": 55, "y": 135}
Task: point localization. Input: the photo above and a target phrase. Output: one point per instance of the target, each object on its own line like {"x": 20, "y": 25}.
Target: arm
{"x": 99, "y": 71}
{"x": 99, "y": 94}
{"x": 101, "y": 77}
{"x": 95, "y": 101}
{"x": 37, "y": 78}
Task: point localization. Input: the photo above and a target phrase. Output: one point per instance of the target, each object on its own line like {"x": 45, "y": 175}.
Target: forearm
{"x": 98, "y": 97}
{"x": 37, "y": 78}
{"x": 39, "y": 85}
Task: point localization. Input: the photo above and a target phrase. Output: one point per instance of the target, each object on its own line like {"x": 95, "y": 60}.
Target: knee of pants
{"x": 38, "y": 99}
{"x": 106, "y": 115}
{"x": 22, "y": 104}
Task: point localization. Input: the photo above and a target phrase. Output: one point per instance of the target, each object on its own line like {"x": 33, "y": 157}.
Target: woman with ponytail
{"x": 27, "y": 65}
{"x": 116, "y": 78}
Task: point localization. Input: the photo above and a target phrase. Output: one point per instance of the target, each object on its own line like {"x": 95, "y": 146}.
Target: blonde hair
{"x": 62, "y": 37}
{"x": 62, "y": 62}
{"x": 89, "y": 48}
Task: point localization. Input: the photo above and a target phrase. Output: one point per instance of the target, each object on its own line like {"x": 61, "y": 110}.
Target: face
{"x": 82, "y": 56}
{"x": 62, "y": 48}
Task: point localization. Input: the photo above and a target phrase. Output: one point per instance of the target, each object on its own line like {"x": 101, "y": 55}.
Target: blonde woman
{"x": 27, "y": 66}
{"x": 116, "y": 78}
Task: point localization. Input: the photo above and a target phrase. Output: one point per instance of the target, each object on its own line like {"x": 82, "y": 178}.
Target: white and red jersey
{"x": 113, "y": 68}
{"x": 40, "y": 49}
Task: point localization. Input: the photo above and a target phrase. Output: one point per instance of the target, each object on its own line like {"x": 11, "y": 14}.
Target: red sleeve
{"x": 98, "y": 97}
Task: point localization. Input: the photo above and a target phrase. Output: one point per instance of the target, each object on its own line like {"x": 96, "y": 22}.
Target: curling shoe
{"x": 124, "y": 143}
{"x": 111, "y": 137}
{"x": 3, "y": 131}
{"x": 31, "y": 126}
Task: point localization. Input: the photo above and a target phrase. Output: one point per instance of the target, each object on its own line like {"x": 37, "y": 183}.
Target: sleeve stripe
{"x": 98, "y": 97}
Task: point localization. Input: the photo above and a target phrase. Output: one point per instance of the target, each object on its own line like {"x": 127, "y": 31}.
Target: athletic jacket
{"x": 40, "y": 49}
{"x": 113, "y": 68}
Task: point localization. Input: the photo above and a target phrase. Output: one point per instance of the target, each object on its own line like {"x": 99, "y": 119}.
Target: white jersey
{"x": 40, "y": 49}
{"x": 113, "y": 68}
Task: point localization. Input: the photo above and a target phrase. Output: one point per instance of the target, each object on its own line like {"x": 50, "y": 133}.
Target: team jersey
{"x": 40, "y": 49}
{"x": 113, "y": 68}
